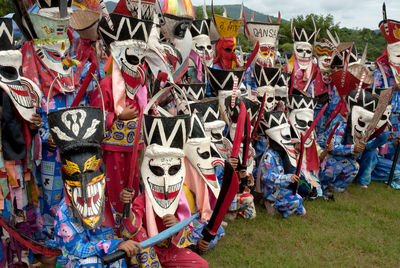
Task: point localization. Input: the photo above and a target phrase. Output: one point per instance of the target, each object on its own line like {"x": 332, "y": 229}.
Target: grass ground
{"x": 360, "y": 229}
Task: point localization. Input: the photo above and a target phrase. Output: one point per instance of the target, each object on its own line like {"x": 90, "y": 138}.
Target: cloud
{"x": 349, "y": 13}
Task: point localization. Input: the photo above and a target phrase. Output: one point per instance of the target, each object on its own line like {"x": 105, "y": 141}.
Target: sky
{"x": 349, "y": 13}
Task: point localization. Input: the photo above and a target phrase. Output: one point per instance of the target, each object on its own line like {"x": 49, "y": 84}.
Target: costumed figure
{"x": 282, "y": 91}
{"x": 19, "y": 99}
{"x": 301, "y": 65}
{"x": 163, "y": 171}
{"x": 266, "y": 33}
{"x": 47, "y": 62}
{"x": 228, "y": 29}
{"x": 323, "y": 86}
{"x": 82, "y": 230}
{"x": 277, "y": 167}
{"x": 202, "y": 51}
{"x": 341, "y": 166}
{"x": 373, "y": 166}
{"x": 301, "y": 117}
{"x": 125, "y": 94}
{"x": 388, "y": 67}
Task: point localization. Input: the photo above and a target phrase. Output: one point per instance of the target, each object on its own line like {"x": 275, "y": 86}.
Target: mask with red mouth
{"x": 198, "y": 151}
{"x": 128, "y": 45}
{"x": 275, "y": 125}
{"x": 302, "y": 47}
{"x": 225, "y": 55}
{"x": 78, "y": 133}
{"x": 362, "y": 105}
{"x": 163, "y": 173}
{"x": 24, "y": 93}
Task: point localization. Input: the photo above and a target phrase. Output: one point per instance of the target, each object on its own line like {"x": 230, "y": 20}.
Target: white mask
{"x": 163, "y": 174}
{"x": 394, "y": 53}
{"x": 51, "y": 53}
{"x": 202, "y": 46}
{"x": 303, "y": 52}
{"x": 130, "y": 56}
{"x": 360, "y": 119}
{"x": 301, "y": 120}
{"x": 24, "y": 93}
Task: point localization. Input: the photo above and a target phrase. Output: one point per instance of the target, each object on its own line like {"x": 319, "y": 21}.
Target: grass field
{"x": 360, "y": 229}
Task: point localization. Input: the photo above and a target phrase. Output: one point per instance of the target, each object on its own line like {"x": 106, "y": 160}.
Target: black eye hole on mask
{"x": 174, "y": 169}
{"x": 216, "y": 136}
{"x": 228, "y": 50}
{"x": 8, "y": 72}
{"x": 301, "y": 123}
{"x": 384, "y": 117}
{"x": 361, "y": 123}
{"x": 209, "y": 47}
{"x": 132, "y": 59}
{"x": 200, "y": 47}
{"x": 270, "y": 99}
{"x": 158, "y": 171}
{"x": 204, "y": 155}
{"x": 180, "y": 29}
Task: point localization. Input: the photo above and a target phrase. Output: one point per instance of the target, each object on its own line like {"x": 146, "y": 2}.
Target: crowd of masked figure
{"x": 117, "y": 128}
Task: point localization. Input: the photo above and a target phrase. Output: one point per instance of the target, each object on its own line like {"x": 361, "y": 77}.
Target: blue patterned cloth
{"x": 275, "y": 185}
{"x": 81, "y": 247}
{"x": 341, "y": 168}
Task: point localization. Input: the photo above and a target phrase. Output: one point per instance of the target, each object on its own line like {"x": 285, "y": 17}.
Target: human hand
{"x": 169, "y": 220}
{"x": 128, "y": 113}
{"x": 35, "y": 122}
{"x": 52, "y": 144}
{"x": 126, "y": 196}
{"x": 359, "y": 147}
{"x": 294, "y": 178}
{"x": 203, "y": 245}
{"x": 233, "y": 161}
{"x": 329, "y": 147}
{"x": 131, "y": 247}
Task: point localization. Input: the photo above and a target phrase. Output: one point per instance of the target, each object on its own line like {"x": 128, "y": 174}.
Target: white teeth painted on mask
{"x": 95, "y": 210}
{"x": 85, "y": 210}
{"x": 90, "y": 211}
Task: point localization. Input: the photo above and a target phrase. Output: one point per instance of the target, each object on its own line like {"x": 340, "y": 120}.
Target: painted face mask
{"x": 391, "y": 31}
{"x": 163, "y": 173}
{"x": 301, "y": 116}
{"x": 176, "y": 30}
{"x": 266, "y": 79}
{"x": 233, "y": 109}
{"x": 267, "y": 35}
{"x": 362, "y": 106}
{"x": 78, "y": 133}
{"x": 214, "y": 128}
{"x": 51, "y": 54}
{"x": 201, "y": 44}
{"x": 281, "y": 91}
{"x": 24, "y": 93}
{"x": 128, "y": 45}
{"x": 324, "y": 56}
{"x": 302, "y": 47}
{"x": 385, "y": 119}
{"x": 198, "y": 150}
{"x": 225, "y": 52}
{"x": 276, "y": 127}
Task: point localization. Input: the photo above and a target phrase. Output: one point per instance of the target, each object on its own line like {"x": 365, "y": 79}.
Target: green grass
{"x": 360, "y": 229}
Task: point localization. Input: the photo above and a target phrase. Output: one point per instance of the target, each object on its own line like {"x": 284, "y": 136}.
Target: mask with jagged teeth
{"x": 130, "y": 56}
{"x": 24, "y": 93}
{"x": 84, "y": 182}
{"x": 163, "y": 173}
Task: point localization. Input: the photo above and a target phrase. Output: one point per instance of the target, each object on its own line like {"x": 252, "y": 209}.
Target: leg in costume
{"x": 289, "y": 205}
{"x": 368, "y": 161}
{"x": 382, "y": 172}
{"x": 339, "y": 171}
